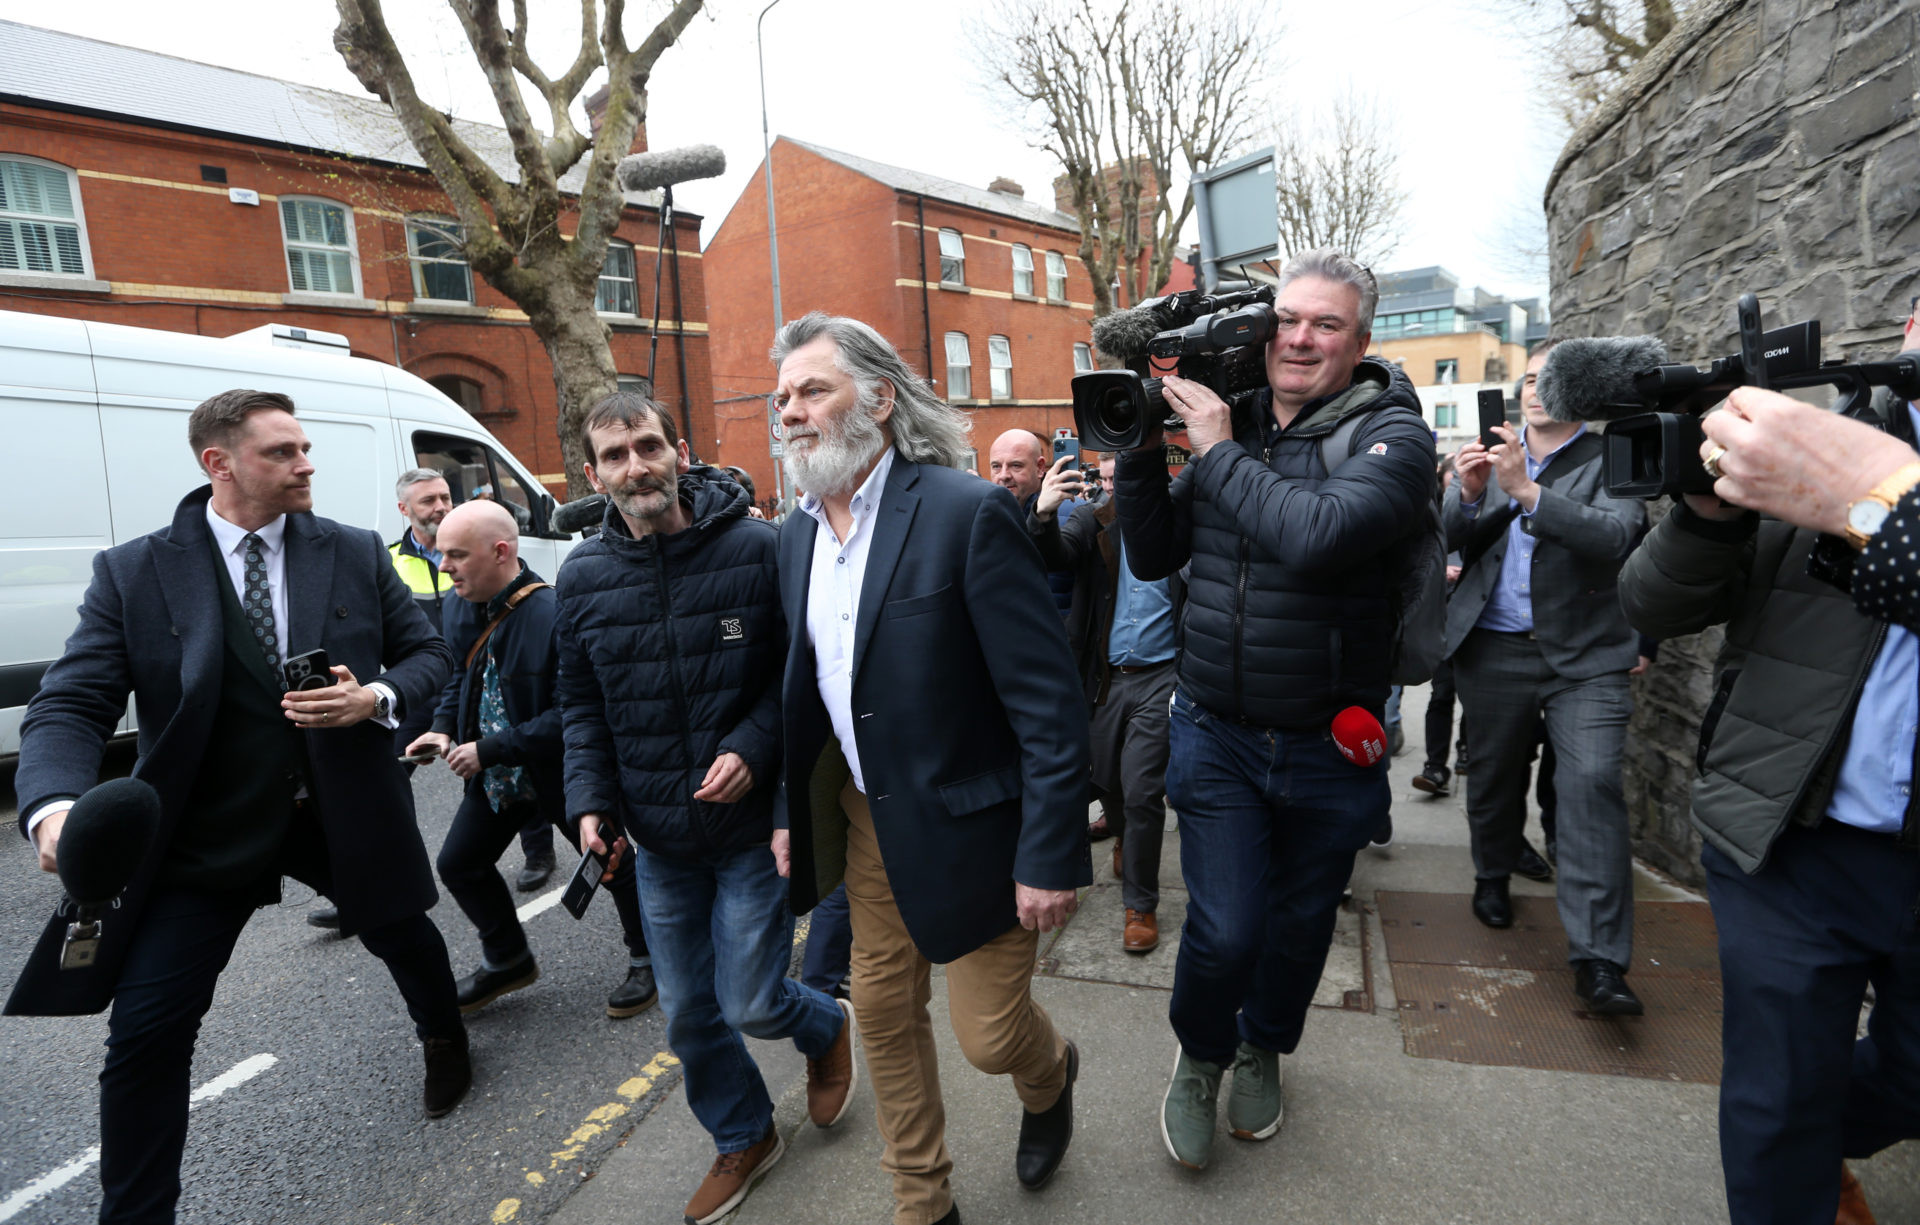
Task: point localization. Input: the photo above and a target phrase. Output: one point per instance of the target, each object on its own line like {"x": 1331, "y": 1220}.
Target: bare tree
{"x": 510, "y": 229}
{"x": 1131, "y": 97}
{"x": 1337, "y": 178}
{"x": 1592, "y": 45}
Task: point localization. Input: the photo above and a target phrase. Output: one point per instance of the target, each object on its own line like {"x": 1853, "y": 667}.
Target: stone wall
{"x": 1770, "y": 146}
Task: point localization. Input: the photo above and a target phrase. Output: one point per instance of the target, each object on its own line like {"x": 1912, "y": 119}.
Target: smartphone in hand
{"x": 1493, "y": 411}
{"x": 308, "y": 671}
{"x": 586, "y": 880}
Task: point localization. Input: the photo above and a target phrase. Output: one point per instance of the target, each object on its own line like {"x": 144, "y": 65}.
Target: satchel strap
{"x": 513, "y": 602}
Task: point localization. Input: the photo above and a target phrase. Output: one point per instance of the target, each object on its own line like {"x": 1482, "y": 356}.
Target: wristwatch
{"x": 383, "y": 705}
{"x": 1865, "y": 516}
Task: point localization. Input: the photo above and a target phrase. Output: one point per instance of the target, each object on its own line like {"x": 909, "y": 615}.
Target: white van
{"x": 93, "y": 440}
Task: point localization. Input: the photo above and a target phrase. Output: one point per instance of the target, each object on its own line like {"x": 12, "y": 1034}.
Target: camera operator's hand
{"x": 1062, "y": 482}
{"x": 1208, "y": 418}
{"x": 1795, "y": 461}
{"x": 1471, "y": 466}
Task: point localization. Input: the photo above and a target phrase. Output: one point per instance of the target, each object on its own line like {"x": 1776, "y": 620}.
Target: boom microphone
{"x": 651, "y": 171}
{"x": 106, "y": 835}
{"x": 1593, "y": 379}
{"x": 1124, "y": 335}
{"x": 579, "y": 514}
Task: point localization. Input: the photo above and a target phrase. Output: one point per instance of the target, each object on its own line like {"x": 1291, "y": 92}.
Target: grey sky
{"x": 890, "y": 80}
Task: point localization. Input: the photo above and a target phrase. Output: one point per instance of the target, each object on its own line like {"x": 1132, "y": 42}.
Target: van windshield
{"x": 473, "y": 470}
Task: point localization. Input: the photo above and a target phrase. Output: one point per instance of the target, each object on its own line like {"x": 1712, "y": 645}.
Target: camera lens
{"x": 1114, "y": 412}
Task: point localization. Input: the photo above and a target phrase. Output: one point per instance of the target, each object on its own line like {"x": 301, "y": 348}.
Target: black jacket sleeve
{"x": 1155, "y": 512}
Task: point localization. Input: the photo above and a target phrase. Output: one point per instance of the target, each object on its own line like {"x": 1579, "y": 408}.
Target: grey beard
{"x": 844, "y": 448}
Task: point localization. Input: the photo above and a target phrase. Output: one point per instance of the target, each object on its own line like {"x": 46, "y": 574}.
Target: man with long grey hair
{"x": 957, "y": 823}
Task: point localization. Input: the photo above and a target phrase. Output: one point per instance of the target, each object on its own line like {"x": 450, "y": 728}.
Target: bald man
{"x": 1017, "y": 463}
{"x": 498, "y": 727}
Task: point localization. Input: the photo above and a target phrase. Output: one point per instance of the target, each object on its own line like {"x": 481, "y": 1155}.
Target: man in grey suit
{"x": 1535, "y": 630}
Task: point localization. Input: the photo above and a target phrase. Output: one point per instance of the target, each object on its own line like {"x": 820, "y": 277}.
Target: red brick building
{"x": 979, "y": 288}
{"x": 140, "y": 189}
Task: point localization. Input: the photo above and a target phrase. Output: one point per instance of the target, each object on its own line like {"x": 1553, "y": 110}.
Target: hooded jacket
{"x": 1289, "y": 614}
{"x": 670, "y": 654}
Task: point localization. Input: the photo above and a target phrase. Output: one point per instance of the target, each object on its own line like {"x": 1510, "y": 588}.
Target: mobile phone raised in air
{"x": 1066, "y": 446}
{"x": 1493, "y": 411}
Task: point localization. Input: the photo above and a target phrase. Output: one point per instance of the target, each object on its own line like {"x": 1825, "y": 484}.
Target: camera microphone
{"x": 579, "y": 514}
{"x": 652, "y": 171}
{"x": 1125, "y": 335}
{"x": 1594, "y": 379}
{"x": 107, "y": 834}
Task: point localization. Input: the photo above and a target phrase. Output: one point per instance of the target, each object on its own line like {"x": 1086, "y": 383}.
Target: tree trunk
{"x": 583, "y": 372}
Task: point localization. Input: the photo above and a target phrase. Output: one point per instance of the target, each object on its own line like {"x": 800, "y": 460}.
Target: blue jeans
{"x": 829, "y": 943}
{"x": 1831, "y": 912}
{"x": 1270, "y": 821}
{"x": 736, "y": 904}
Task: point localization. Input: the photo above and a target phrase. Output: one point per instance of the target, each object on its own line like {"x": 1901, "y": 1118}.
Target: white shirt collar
{"x": 865, "y": 499}
{"x": 232, "y": 538}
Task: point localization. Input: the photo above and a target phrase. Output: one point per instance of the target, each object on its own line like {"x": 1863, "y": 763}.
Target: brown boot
{"x": 1142, "y": 932}
{"x": 831, "y": 1078}
{"x": 1853, "y": 1201}
{"x": 731, "y": 1177}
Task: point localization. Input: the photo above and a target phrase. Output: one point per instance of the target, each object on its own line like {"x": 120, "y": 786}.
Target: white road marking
{"x": 545, "y": 902}
{"x": 45, "y": 1185}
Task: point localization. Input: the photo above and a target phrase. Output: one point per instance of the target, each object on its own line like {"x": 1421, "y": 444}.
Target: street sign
{"x": 1237, "y": 215}
{"x": 776, "y": 437}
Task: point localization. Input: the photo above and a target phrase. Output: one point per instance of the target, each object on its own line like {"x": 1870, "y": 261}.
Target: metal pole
{"x": 766, "y": 143}
{"x": 773, "y": 237}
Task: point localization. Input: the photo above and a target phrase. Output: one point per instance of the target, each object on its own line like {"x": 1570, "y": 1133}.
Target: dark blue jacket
{"x": 670, "y": 652}
{"x": 970, "y": 724}
{"x": 151, "y": 626}
{"x": 1289, "y": 612}
{"x": 526, "y": 650}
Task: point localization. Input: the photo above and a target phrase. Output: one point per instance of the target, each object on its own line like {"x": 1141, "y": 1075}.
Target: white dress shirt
{"x": 232, "y": 543}
{"x": 833, "y": 603}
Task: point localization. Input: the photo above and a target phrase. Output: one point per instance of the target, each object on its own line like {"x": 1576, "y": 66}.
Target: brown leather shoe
{"x": 731, "y": 1177}
{"x": 831, "y": 1078}
{"x": 1142, "y": 933}
{"x": 1853, "y": 1201}
{"x": 1119, "y": 873}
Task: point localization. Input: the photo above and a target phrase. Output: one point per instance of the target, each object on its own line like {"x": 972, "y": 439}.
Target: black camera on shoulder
{"x": 1216, "y": 339}
{"x": 1653, "y": 408}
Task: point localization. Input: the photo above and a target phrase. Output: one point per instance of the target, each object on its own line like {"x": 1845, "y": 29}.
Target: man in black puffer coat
{"x": 671, "y": 649}
{"x": 1290, "y": 620}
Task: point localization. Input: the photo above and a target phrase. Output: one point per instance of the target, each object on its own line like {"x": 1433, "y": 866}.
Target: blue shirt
{"x": 1510, "y": 606}
{"x": 1876, "y": 775}
{"x": 431, "y": 554}
{"x": 1142, "y": 619}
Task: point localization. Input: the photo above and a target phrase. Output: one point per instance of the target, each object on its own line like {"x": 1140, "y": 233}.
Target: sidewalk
{"x": 1371, "y": 1134}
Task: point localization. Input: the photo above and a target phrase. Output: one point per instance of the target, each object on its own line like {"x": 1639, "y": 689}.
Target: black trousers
{"x": 165, "y": 987}
{"x": 1440, "y": 715}
{"x": 1831, "y": 912}
{"x": 466, "y": 863}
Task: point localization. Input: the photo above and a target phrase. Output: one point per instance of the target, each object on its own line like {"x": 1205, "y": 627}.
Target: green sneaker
{"x": 1254, "y": 1109}
{"x": 1187, "y": 1114}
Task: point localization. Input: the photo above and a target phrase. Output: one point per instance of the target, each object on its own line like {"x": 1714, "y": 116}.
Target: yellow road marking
{"x": 507, "y": 1211}
{"x": 600, "y": 1118}
{"x": 534, "y": 1177}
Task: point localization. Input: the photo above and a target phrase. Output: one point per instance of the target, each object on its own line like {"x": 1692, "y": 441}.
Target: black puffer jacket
{"x": 670, "y": 654}
{"x": 1288, "y": 617}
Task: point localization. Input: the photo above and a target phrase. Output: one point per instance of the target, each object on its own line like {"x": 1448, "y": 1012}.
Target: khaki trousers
{"x": 989, "y": 997}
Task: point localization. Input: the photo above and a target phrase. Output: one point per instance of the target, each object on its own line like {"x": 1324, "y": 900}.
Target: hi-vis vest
{"x": 421, "y": 576}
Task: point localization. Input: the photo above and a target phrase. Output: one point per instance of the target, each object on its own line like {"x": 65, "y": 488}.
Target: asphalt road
{"x": 332, "y": 1129}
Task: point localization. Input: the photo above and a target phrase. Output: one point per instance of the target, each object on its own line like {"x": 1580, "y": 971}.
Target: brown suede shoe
{"x": 1142, "y": 933}
{"x": 731, "y": 1177}
{"x": 1853, "y": 1201}
{"x": 831, "y": 1078}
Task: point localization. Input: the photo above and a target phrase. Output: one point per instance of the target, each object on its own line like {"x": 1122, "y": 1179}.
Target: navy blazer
{"x": 151, "y": 625}
{"x": 968, "y": 714}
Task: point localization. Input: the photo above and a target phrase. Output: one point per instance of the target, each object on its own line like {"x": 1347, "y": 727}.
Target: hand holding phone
{"x": 1493, "y": 411}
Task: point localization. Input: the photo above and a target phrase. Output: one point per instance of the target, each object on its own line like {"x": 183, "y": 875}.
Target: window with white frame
{"x": 320, "y": 246}
{"x": 1056, "y": 276}
{"x": 41, "y": 226}
{"x": 959, "y": 368}
{"x": 953, "y": 258}
{"x": 614, "y": 295}
{"x": 1022, "y": 269}
{"x": 436, "y": 247}
{"x": 1000, "y": 367}
{"x": 1082, "y": 358}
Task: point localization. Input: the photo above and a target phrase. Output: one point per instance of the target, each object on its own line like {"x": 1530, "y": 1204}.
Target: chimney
{"x": 1007, "y": 187}
{"x": 1063, "y": 193}
{"x": 596, "y": 104}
